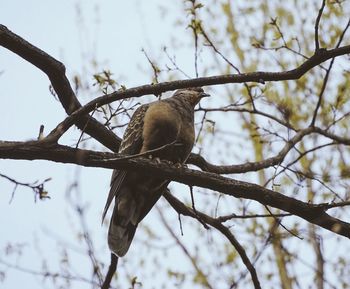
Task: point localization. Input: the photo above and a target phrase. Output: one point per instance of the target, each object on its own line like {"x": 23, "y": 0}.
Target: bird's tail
{"x": 120, "y": 234}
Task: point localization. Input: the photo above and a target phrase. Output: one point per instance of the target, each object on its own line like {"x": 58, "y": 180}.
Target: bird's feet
{"x": 170, "y": 163}
{"x": 155, "y": 159}
{"x": 176, "y": 165}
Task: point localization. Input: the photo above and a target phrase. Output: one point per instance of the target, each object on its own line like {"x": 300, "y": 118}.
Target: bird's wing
{"x": 131, "y": 144}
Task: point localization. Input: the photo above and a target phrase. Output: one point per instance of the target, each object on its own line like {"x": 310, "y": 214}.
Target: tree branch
{"x": 156, "y": 89}
{"x": 317, "y": 24}
{"x": 325, "y": 80}
{"x": 194, "y": 263}
{"x": 250, "y": 166}
{"x": 55, "y": 71}
{"x": 111, "y": 270}
{"x": 184, "y": 210}
{"x": 313, "y": 213}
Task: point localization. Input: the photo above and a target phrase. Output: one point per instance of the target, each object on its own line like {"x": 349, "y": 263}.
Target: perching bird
{"x": 152, "y": 126}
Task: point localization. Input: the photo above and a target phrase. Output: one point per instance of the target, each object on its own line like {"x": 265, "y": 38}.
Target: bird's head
{"x": 193, "y": 94}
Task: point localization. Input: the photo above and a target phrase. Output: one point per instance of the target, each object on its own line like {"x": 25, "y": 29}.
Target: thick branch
{"x": 312, "y": 213}
{"x": 318, "y": 58}
{"x": 321, "y": 56}
{"x": 111, "y": 270}
{"x": 55, "y": 71}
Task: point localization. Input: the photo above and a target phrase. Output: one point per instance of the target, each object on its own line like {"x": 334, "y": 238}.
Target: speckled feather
{"x": 131, "y": 144}
{"x": 132, "y": 139}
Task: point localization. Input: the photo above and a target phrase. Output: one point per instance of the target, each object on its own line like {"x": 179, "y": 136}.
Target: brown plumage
{"x": 152, "y": 126}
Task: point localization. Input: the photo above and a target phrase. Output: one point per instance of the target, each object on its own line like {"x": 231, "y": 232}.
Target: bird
{"x": 166, "y": 129}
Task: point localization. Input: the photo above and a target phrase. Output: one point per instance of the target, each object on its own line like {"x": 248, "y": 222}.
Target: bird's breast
{"x": 163, "y": 124}
{"x": 186, "y": 138}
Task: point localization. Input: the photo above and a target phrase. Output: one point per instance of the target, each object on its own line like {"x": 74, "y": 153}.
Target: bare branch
{"x": 337, "y": 205}
{"x": 252, "y": 111}
{"x": 184, "y": 210}
{"x": 250, "y": 166}
{"x": 336, "y": 138}
{"x": 316, "y": 244}
{"x": 38, "y": 188}
{"x": 46, "y": 274}
{"x": 317, "y": 24}
{"x": 186, "y": 252}
{"x": 325, "y": 80}
{"x": 301, "y": 155}
{"x": 153, "y": 65}
{"x": 235, "y": 216}
{"x": 111, "y": 270}
{"x": 55, "y": 71}
{"x": 195, "y": 210}
{"x": 313, "y": 213}
{"x": 159, "y": 88}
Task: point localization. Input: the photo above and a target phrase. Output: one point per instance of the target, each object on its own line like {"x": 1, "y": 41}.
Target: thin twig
{"x": 45, "y": 274}
{"x": 317, "y": 24}
{"x": 38, "y": 189}
{"x": 180, "y": 223}
{"x": 181, "y": 208}
{"x": 195, "y": 211}
{"x": 251, "y": 111}
{"x": 186, "y": 252}
{"x": 146, "y": 153}
{"x": 325, "y": 80}
{"x": 84, "y": 128}
{"x": 280, "y": 223}
{"x": 235, "y": 216}
{"x": 154, "y": 67}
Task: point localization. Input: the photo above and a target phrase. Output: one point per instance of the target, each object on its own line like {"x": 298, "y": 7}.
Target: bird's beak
{"x": 203, "y": 94}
